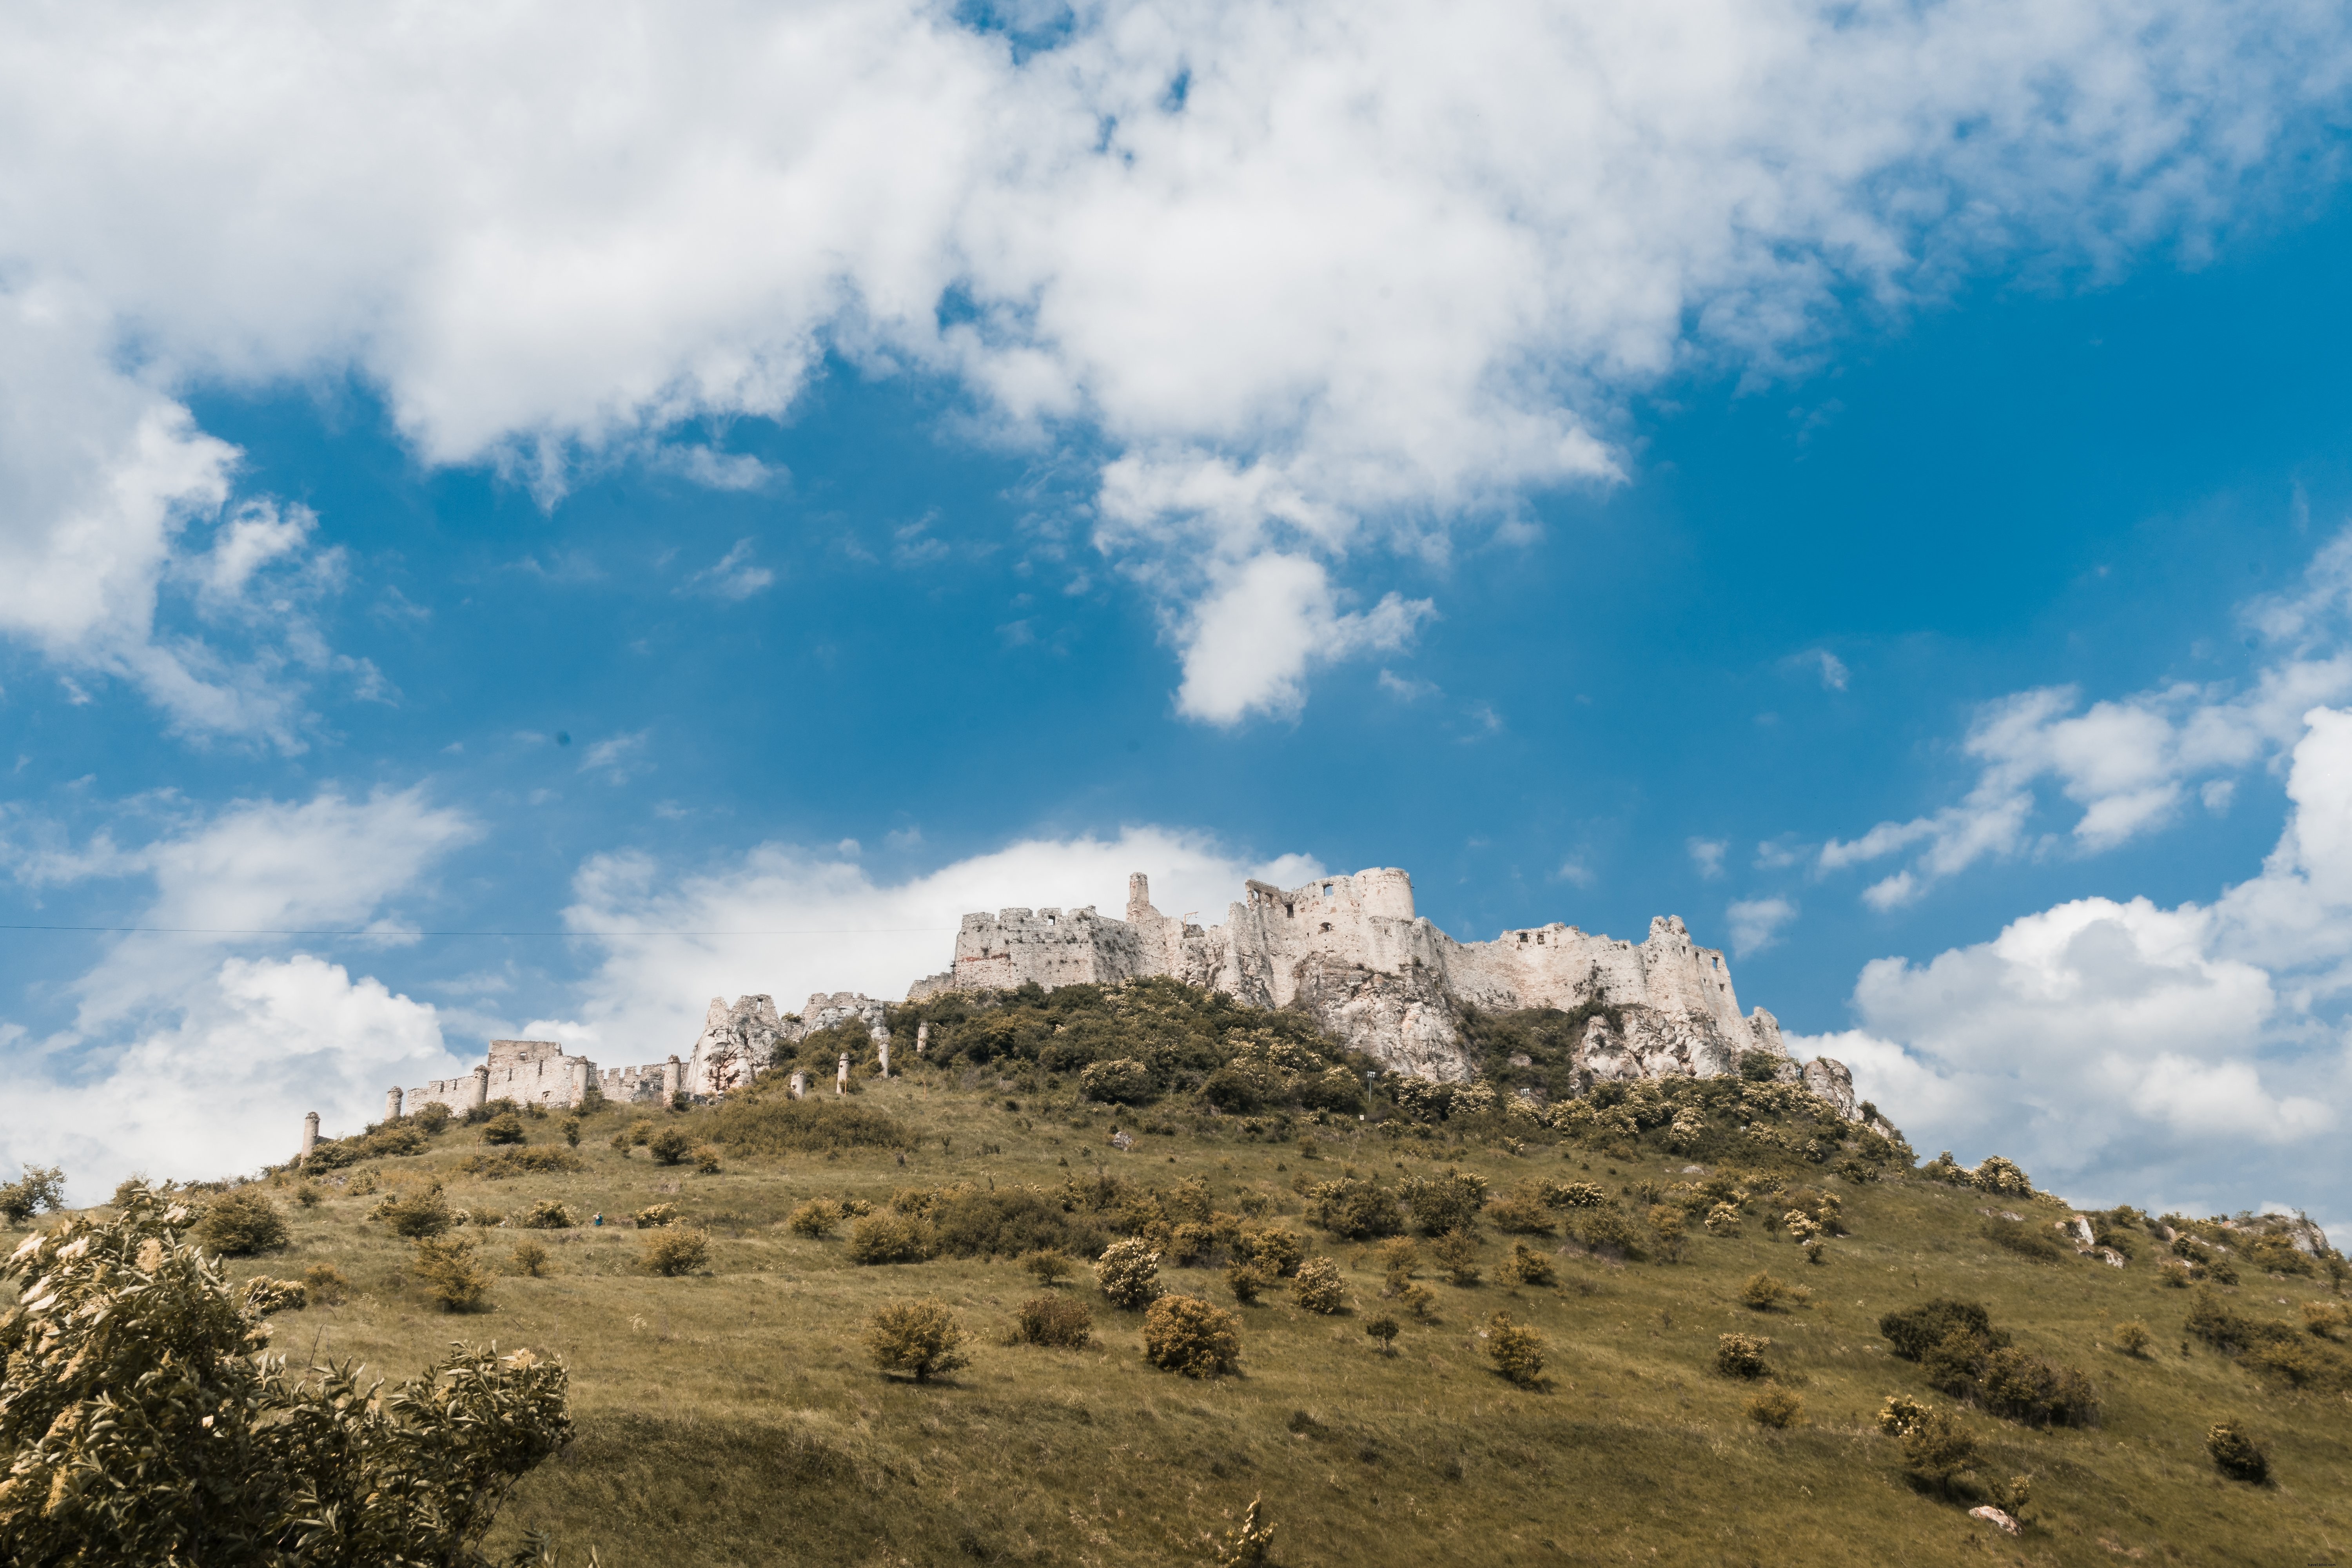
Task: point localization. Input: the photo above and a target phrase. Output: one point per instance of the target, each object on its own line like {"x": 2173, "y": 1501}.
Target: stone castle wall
{"x": 1355, "y": 953}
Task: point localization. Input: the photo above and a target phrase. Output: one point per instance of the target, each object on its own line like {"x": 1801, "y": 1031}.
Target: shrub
{"x": 815, "y": 1219}
{"x": 1446, "y": 1203}
{"x": 420, "y": 1213}
{"x": 1517, "y": 1350}
{"x": 2028, "y": 1389}
{"x": 1129, "y": 1274}
{"x": 1741, "y": 1355}
{"x": 1064, "y": 1323}
{"x": 706, "y": 1159}
{"x": 1763, "y": 1293}
{"x": 1190, "y": 1244}
{"x": 2002, "y": 1178}
{"x": 1574, "y": 1195}
{"x": 507, "y": 1162}
{"x": 40, "y": 1187}
{"x": 507, "y": 1129}
{"x": 1900, "y": 1414}
{"x": 1529, "y": 1267}
{"x": 571, "y": 1132}
{"x": 306, "y": 1195}
{"x": 2132, "y": 1337}
{"x": 919, "y": 1340}
{"x": 1457, "y": 1258}
{"x": 240, "y": 1224}
{"x": 1609, "y": 1233}
{"x": 2236, "y": 1454}
{"x": 886, "y": 1237}
{"x": 226, "y": 1451}
{"x": 1187, "y": 1335}
{"x": 1915, "y": 1331}
{"x": 529, "y": 1259}
{"x": 449, "y": 1272}
{"x": 1937, "y": 1449}
{"x": 487, "y": 1218}
{"x": 1316, "y": 1287}
{"x": 672, "y": 1251}
{"x": 548, "y": 1213}
{"x": 1122, "y": 1081}
{"x": 326, "y": 1284}
{"x": 1249, "y": 1543}
{"x": 2325, "y": 1318}
{"x": 1353, "y": 1209}
{"x": 1778, "y": 1409}
{"x": 656, "y": 1216}
{"x": 1278, "y": 1253}
{"x": 1723, "y": 1220}
{"x": 1047, "y": 1267}
{"x": 670, "y": 1146}
{"x": 765, "y": 1120}
{"x": 1520, "y": 1213}
{"x": 1247, "y": 1281}
{"x": 262, "y": 1296}
{"x": 1008, "y": 1223}
{"x": 1384, "y": 1332}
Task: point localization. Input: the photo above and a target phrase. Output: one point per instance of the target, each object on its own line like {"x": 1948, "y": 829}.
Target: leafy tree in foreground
{"x": 141, "y": 1421}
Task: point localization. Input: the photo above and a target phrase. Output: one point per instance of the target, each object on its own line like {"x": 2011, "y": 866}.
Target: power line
{"x": 257, "y": 930}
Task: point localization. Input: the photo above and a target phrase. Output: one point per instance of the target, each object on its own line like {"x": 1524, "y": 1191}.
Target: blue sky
{"x": 855, "y": 470}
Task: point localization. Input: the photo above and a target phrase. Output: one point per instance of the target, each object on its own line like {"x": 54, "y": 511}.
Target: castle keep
{"x": 1381, "y": 977}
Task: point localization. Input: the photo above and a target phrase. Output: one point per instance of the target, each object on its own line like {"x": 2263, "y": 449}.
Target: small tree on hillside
{"x": 144, "y": 1424}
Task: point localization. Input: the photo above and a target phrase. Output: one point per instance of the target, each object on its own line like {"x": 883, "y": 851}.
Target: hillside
{"x": 731, "y": 1415}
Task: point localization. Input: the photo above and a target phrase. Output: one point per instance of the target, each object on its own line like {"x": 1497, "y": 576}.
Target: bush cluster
{"x": 884, "y": 1237}
{"x": 672, "y": 1251}
{"x": 241, "y": 1224}
{"x": 416, "y": 1212}
{"x": 1741, "y": 1355}
{"x": 40, "y": 1187}
{"x": 2277, "y": 1353}
{"x": 1516, "y": 1351}
{"x": 1127, "y": 1274}
{"x": 1185, "y": 1334}
{"x": 1061, "y": 1321}
{"x": 446, "y": 1266}
{"x": 509, "y": 1163}
{"x": 1964, "y": 1355}
{"x": 920, "y": 1340}
{"x": 1316, "y": 1287}
{"x": 2236, "y": 1454}
{"x": 548, "y": 1213}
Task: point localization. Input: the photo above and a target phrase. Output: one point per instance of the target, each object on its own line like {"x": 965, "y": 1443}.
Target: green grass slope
{"x": 732, "y": 1416}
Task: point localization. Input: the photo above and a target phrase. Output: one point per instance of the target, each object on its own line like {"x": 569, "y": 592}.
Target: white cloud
{"x": 1757, "y": 923}
{"x": 2129, "y": 766}
{"x": 619, "y": 758}
{"x": 1382, "y": 269}
{"x": 1266, "y": 624}
{"x": 2193, "y": 1056}
{"x": 1706, "y": 855}
{"x": 189, "y": 1056}
{"x": 733, "y": 575}
{"x": 832, "y": 926}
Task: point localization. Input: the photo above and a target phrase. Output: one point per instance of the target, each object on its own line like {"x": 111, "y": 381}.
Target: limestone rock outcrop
{"x": 1354, "y": 952}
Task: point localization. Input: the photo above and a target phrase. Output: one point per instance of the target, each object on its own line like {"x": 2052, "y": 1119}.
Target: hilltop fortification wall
{"x": 1353, "y": 950}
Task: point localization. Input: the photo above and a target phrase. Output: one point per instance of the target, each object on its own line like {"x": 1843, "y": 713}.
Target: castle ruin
{"x": 1352, "y": 950}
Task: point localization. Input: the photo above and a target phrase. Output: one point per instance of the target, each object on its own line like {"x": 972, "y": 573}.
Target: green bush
{"x": 1517, "y": 1350}
{"x": 1741, "y": 1355}
{"x": 1458, "y": 1255}
{"x": 1190, "y": 1244}
{"x": 507, "y": 1129}
{"x": 2026, "y": 1240}
{"x": 1316, "y": 1287}
{"x": 507, "y": 1163}
{"x": 1763, "y": 1293}
{"x": 1609, "y": 1233}
{"x": 2236, "y": 1454}
{"x": 2025, "y": 1388}
{"x": 657, "y": 1215}
{"x": 1936, "y": 1449}
{"x": 529, "y": 1259}
{"x": 1574, "y": 1195}
{"x": 1915, "y": 1330}
{"x": 262, "y": 1296}
{"x": 1120, "y": 1081}
{"x": 1047, "y": 1267}
{"x": 1276, "y": 1252}
{"x": 447, "y": 1267}
{"x": 325, "y": 1284}
{"x": 548, "y": 1213}
{"x": 1447, "y": 1203}
{"x": 1184, "y": 1334}
{"x": 672, "y": 1251}
{"x": 2132, "y": 1337}
{"x": 420, "y": 1212}
{"x": 1778, "y": 1409}
{"x": 1520, "y": 1213}
{"x": 242, "y": 1223}
{"x": 142, "y": 1424}
{"x": 765, "y": 1120}
{"x": 1064, "y": 1323}
{"x": 1009, "y": 1222}
{"x": 886, "y": 1237}
{"x": 1247, "y": 1281}
{"x": 920, "y": 1340}
{"x": 670, "y": 1147}
{"x": 814, "y": 1218}
{"x": 1383, "y": 1331}
{"x": 40, "y": 1187}
{"x": 1353, "y": 1209}
{"x": 1529, "y": 1267}
{"x": 1128, "y": 1273}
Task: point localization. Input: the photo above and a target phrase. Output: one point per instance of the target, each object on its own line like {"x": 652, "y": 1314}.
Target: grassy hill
{"x": 731, "y": 1415}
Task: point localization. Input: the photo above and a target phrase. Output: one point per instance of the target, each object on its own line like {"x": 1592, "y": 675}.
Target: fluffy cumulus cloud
{"x": 2124, "y": 767}
{"x": 193, "y": 1049}
{"x": 1318, "y": 279}
{"x": 2132, "y": 1052}
{"x": 792, "y": 922}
